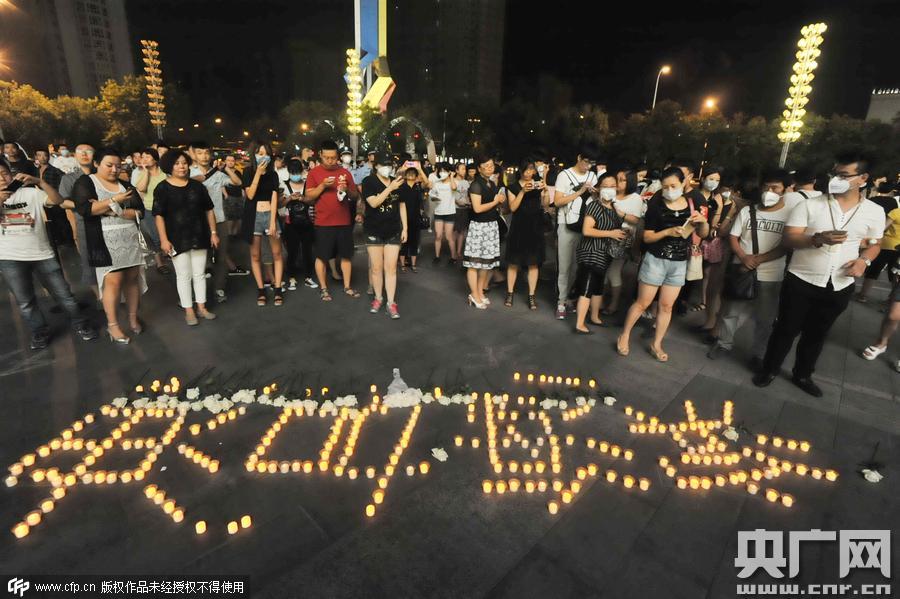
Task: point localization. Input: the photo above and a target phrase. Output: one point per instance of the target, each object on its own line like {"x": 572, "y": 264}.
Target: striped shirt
{"x": 594, "y": 251}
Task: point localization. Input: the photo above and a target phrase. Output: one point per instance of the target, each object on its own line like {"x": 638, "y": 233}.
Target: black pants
{"x": 809, "y": 311}
{"x": 298, "y": 239}
{"x": 884, "y": 258}
{"x": 413, "y": 236}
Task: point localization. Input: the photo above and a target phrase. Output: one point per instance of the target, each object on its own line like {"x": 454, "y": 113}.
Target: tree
{"x": 124, "y": 106}
{"x": 78, "y": 120}
{"x": 26, "y": 115}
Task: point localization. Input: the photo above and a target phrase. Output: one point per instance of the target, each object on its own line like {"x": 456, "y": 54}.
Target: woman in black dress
{"x": 525, "y": 241}
{"x": 412, "y": 193}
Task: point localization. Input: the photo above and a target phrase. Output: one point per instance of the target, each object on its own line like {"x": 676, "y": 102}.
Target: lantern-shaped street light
{"x": 354, "y": 96}
{"x": 153, "y": 78}
{"x": 800, "y": 88}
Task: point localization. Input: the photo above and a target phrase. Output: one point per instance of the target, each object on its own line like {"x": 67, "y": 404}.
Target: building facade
{"x": 884, "y": 105}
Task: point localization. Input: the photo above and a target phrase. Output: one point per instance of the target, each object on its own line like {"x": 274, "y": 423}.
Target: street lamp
{"x": 153, "y": 77}
{"x": 218, "y": 120}
{"x": 304, "y": 127}
{"x": 664, "y": 70}
{"x": 710, "y": 103}
{"x": 354, "y": 98}
{"x": 800, "y": 88}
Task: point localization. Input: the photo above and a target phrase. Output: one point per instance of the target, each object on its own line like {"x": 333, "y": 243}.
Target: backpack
{"x": 574, "y": 211}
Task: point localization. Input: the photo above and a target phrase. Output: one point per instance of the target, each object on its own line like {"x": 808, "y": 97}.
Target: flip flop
{"x": 698, "y": 308}
{"x": 351, "y": 292}
{"x": 659, "y": 357}
{"x": 324, "y": 295}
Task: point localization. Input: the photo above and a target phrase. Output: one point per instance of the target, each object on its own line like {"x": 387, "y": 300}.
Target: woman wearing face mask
{"x": 187, "y": 230}
{"x": 716, "y": 249}
{"x": 386, "y": 225}
{"x": 412, "y": 195}
{"x": 712, "y": 247}
{"x": 461, "y": 200}
{"x": 668, "y": 224}
{"x": 298, "y": 229}
{"x": 443, "y": 187}
{"x": 110, "y": 210}
{"x": 627, "y": 201}
{"x": 525, "y": 240}
{"x": 603, "y": 234}
{"x": 261, "y": 218}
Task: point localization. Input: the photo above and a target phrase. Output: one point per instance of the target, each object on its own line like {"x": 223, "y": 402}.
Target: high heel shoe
{"x": 509, "y": 300}
{"x": 532, "y": 303}
{"x": 123, "y": 340}
{"x": 476, "y": 303}
{"x": 137, "y": 330}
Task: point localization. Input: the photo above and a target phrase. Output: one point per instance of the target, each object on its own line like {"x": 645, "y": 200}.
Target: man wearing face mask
{"x": 765, "y": 218}
{"x": 804, "y": 188}
{"x": 64, "y": 161}
{"x": 834, "y": 238}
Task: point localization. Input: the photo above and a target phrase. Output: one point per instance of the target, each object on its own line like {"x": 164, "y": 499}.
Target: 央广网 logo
{"x": 859, "y": 549}
{"x": 17, "y": 586}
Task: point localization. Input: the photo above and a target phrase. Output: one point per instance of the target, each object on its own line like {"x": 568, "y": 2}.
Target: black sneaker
{"x": 756, "y": 364}
{"x": 763, "y": 379}
{"x": 238, "y": 272}
{"x": 436, "y": 261}
{"x": 87, "y": 333}
{"x": 807, "y": 385}
{"x": 39, "y": 341}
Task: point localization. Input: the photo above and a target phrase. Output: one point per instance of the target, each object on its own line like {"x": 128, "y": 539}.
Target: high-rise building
{"x": 884, "y": 105}
{"x": 69, "y": 47}
{"x": 446, "y": 50}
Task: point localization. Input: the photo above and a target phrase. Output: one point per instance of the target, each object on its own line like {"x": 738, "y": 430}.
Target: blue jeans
{"x": 18, "y": 275}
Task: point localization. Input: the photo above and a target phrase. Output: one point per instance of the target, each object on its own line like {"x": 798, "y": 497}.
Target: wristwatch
{"x": 866, "y": 260}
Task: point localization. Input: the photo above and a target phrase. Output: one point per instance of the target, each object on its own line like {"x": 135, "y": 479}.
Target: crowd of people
{"x": 781, "y": 251}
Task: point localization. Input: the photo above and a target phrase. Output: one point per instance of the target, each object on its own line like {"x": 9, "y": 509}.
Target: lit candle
{"x": 501, "y": 487}
{"x": 752, "y": 488}
{"x": 246, "y": 521}
{"x": 458, "y": 440}
{"x": 47, "y": 506}
{"x": 20, "y": 530}
{"x": 787, "y": 500}
{"x": 644, "y": 484}
{"x": 370, "y": 510}
{"x": 816, "y": 473}
{"x": 33, "y": 518}
{"x": 487, "y": 486}
{"x": 232, "y": 527}
{"x": 529, "y": 486}
{"x": 670, "y": 471}
{"x": 706, "y": 483}
{"x": 423, "y": 467}
{"x": 200, "y": 527}
{"x": 552, "y": 507}
{"x": 772, "y": 495}
{"x": 178, "y": 515}
{"x": 592, "y": 469}
{"x": 566, "y": 496}
{"x": 611, "y": 475}
{"x": 777, "y": 441}
{"x": 378, "y": 496}
{"x": 831, "y": 475}
{"x": 475, "y": 442}
{"x": 514, "y": 485}
{"x": 804, "y": 446}
{"x": 694, "y": 482}
{"x": 628, "y": 481}
{"x": 681, "y": 482}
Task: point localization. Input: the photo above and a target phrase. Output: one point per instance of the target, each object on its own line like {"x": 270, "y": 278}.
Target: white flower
{"x": 549, "y": 403}
{"x": 443, "y": 400}
{"x": 593, "y": 402}
{"x": 439, "y": 454}
{"x": 609, "y": 400}
{"x": 580, "y": 400}
{"x": 120, "y": 402}
{"x": 873, "y": 476}
{"x": 192, "y": 393}
{"x": 731, "y": 434}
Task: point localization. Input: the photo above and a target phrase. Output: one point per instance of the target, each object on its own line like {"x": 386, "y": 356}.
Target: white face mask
{"x": 443, "y": 175}
{"x": 384, "y": 171}
{"x": 726, "y": 195}
{"x": 64, "y": 152}
{"x": 608, "y": 194}
{"x": 837, "y": 186}
{"x": 770, "y": 198}
{"x": 672, "y": 194}
{"x": 710, "y": 184}
{"x": 541, "y": 169}
{"x": 346, "y": 159}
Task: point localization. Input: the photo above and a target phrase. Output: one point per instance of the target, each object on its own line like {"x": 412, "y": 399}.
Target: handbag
{"x": 695, "y": 260}
{"x": 148, "y": 254}
{"x": 424, "y": 221}
{"x": 713, "y": 250}
{"x": 740, "y": 283}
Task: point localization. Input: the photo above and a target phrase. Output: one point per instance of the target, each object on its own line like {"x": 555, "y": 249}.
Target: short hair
{"x": 170, "y": 158}
{"x": 294, "y": 166}
{"x": 805, "y": 176}
{"x": 199, "y": 145}
{"x": 483, "y": 159}
{"x": 710, "y": 170}
{"x": 777, "y": 174}
{"x": 443, "y": 166}
{"x": 886, "y": 188}
{"x": 152, "y": 152}
{"x": 523, "y": 166}
{"x": 852, "y": 156}
{"x": 682, "y": 163}
{"x": 608, "y": 175}
{"x": 162, "y": 144}
{"x": 102, "y": 153}
{"x": 631, "y": 182}
{"x": 5, "y": 165}
{"x": 410, "y": 171}
{"x": 327, "y": 145}
{"x": 672, "y": 171}
{"x": 589, "y": 151}
{"x": 44, "y": 150}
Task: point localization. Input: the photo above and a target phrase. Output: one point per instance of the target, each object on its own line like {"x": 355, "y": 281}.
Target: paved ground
{"x": 436, "y": 535}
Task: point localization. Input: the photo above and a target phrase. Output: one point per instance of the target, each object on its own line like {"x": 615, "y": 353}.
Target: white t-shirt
{"x": 66, "y": 164}
{"x": 818, "y": 266}
{"x": 23, "y": 232}
{"x": 215, "y": 186}
{"x": 567, "y": 182}
{"x": 632, "y": 204}
{"x": 769, "y": 231}
{"x": 441, "y": 190}
{"x": 792, "y": 198}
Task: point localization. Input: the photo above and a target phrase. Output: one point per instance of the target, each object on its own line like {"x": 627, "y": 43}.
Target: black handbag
{"x": 740, "y": 283}
{"x": 424, "y": 222}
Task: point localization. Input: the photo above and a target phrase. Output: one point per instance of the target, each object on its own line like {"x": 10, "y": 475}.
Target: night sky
{"x": 608, "y": 53}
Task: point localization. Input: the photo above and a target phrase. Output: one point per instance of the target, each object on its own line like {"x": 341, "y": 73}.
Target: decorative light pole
{"x": 664, "y": 70}
{"x": 800, "y": 88}
{"x": 354, "y": 98}
{"x": 156, "y": 105}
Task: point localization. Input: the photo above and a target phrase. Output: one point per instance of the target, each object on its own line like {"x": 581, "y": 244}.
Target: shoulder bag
{"x": 740, "y": 283}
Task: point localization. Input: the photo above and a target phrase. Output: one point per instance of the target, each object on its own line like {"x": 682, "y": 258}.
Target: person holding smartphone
{"x": 669, "y": 224}
{"x": 260, "y": 219}
{"x": 412, "y": 194}
{"x": 298, "y": 229}
{"x": 481, "y": 254}
{"x": 111, "y": 210}
{"x": 386, "y": 226}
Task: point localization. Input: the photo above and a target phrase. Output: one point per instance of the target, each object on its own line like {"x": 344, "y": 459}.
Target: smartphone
{"x": 410, "y": 164}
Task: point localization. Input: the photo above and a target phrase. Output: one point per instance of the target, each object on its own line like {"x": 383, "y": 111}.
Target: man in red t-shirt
{"x": 331, "y": 188}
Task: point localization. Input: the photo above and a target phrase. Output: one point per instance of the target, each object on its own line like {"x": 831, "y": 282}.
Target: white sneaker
{"x": 310, "y": 283}
{"x": 292, "y": 284}
{"x": 220, "y": 296}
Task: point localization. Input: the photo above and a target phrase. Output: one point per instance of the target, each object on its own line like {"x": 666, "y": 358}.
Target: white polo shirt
{"x": 568, "y": 181}
{"x": 818, "y": 266}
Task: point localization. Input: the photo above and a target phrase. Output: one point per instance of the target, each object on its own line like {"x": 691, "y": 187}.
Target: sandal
{"x": 163, "y": 269}
{"x": 622, "y": 351}
{"x": 324, "y": 295}
{"x": 532, "y": 304}
{"x": 873, "y": 351}
{"x": 414, "y": 269}
{"x": 509, "y": 300}
{"x": 698, "y": 308}
{"x": 279, "y": 297}
{"x": 351, "y": 292}
{"x": 659, "y": 356}
{"x": 402, "y": 268}
{"x": 139, "y": 327}
{"x": 261, "y": 297}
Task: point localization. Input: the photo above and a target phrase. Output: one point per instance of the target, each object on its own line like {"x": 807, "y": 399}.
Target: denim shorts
{"x": 375, "y": 240}
{"x": 261, "y": 224}
{"x": 659, "y": 272}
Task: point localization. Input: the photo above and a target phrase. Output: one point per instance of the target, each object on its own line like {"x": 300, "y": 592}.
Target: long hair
{"x": 253, "y": 148}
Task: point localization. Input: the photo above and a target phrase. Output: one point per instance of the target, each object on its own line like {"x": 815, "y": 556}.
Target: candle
{"x": 513, "y": 485}
{"x": 539, "y": 466}
{"x": 663, "y": 461}
{"x": 787, "y": 500}
{"x": 816, "y": 473}
{"x": 382, "y": 482}
{"x": 33, "y": 518}
{"x": 370, "y": 472}
{"x": 611, "y": 475}
{"x": 246, "y": 521}
{"x": 370, "y": 510}
{"x": 159, "y": 497}
{"x": 628, "y": 454}
{"x": 575, "y": 486}
{"x": 529, "y": 486}
{"x": 628, "y": 481}
{"x": 706, "y": 483}
{"x": 552, "y": 507}
{"x": 592, "y": 469}
{"x": 644, "y": 484}
{"x": 761, "y": 439}
{"x": 423, "y": 467}
{"x": 501, "y": 487}
{"x": 458, "y": 440}
{"x": 804, "y": 446}
{"x": 200, "y": 527}
{"x": 681, "y": 482}
{"x": 670, "y": 471}
{"x": 614, "y": 451}
{"x": 772, "y": 495}
{"x": 47, "y": 506}
{"x": 232, "y": 527}
{"x": 178, "y": 515}
{"x": 410, "y": 470}
{"x": 542, "y": 485}
{"x": 777, "y": 441}
{"x": 169, "y": 506}
{"x": 801, "y": 469}
{"x": 498, "y": 467}
{"x": 566, "y": 496}
{"x": 352, "y": 473}
{"x": 694, "y": 482}
{"x": 752, "y": 488}
{"x": 20, "y": 530}
{"x": 487, "y": 486}
{"x": 831, "y": 475}
{"x": 791, "y": 444}
{"x": 720, "y": 480}
{"x": 475, "y": 442}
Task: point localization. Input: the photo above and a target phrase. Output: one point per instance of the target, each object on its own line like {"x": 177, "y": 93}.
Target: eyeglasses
{"x": 844, "y": 176}
{"x": 86, "y": 152}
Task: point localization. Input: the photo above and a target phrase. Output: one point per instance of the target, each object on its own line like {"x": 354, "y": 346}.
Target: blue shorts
{"x": 262, "y": 221}
{"x": 660, "y": 272}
